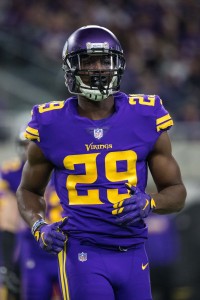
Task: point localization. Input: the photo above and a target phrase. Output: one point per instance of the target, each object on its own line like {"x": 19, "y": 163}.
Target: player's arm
{"x": 30, "y": 193}
{"x": 167, "y": 177}
{"x": 31, "y": 203}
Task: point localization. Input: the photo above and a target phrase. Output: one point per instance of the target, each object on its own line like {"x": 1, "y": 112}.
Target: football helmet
{"x": 93, "y": 62}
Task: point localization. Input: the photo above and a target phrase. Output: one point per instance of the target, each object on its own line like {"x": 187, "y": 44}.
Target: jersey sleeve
{"x": 32, "y": 130}
{"x": 163, "y": 119}
{"x": 42, "y": 114}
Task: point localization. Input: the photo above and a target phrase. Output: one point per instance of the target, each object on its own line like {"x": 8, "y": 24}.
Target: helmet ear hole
{"x": 84, "y": 45}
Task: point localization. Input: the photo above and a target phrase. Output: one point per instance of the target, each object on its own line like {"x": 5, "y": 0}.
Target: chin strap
{"x": 98, "y": 94}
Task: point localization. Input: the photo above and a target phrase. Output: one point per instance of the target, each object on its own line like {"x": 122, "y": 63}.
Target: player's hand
{"x": 50, "y": 236}
{"x": 133, "y": 209}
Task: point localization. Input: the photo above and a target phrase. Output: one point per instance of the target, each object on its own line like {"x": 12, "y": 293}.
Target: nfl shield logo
{"x": 82, "y": 256}
{"x": 98, "y": 133}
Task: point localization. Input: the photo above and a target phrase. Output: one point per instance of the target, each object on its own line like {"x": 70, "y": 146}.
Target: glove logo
{"x": 153, "y": 204}
{"x": 42, "y": 237}
{"x": 146, "y": 204}
{"x": 37, "y": 235}
{"x": 144, "y": 266}
{"x": 82, "y": 257}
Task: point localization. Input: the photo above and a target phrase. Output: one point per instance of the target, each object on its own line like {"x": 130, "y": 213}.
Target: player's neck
{"x": 96, "y": 110}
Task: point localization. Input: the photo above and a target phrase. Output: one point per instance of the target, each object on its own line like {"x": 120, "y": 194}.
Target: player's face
{"x": 89, "y": 64}
{"x": 96, "y": 62}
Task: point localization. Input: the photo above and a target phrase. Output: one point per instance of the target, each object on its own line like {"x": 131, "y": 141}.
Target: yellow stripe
{"x": 146, "y": 204}
{"x": 165, "y": 125}
{"x": 31, "y": 137}
{"x": 118, "y": 204}
{"x": 153, "y": 203}
{"x": 117, "y": 211}
{"x": 65, "y": 275}
{"x": 60, "y": 261}
{"x": 42, "y": 237}
{"x": 32, "y": 130}
{"x": 162, "y": 119}
{"x": 64, "y": 283}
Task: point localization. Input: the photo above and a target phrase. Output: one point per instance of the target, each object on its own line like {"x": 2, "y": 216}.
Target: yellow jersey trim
{"x": 163, "y": 119}
{"x": 62, "y": 257}
{"x": 165, "y": 125}
{"x": 32, "y": 130}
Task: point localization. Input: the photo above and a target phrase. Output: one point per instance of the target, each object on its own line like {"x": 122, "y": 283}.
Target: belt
{"x": 123, "y": 249}
{"x": 111, "y": 247}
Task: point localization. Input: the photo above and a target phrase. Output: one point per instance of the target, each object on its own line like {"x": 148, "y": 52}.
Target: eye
{"x": 105, "y": 60}
{"x": 85, "y": 60}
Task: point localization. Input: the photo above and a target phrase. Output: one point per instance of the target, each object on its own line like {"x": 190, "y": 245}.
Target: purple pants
{"x": 90, "y": 272}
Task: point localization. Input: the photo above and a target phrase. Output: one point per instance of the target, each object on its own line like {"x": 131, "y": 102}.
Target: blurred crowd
{"x": 160, "y": 40}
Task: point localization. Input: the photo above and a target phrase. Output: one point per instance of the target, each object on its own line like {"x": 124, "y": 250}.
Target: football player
{"x": 29, "y": 273}
{"x": 10, "y": 175}
{"x": 100, "y": 143}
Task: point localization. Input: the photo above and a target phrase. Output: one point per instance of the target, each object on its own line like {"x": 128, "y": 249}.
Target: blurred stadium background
{"x": 161, "y": 41}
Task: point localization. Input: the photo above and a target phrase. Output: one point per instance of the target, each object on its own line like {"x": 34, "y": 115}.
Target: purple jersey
{"x": 94, "y": 159}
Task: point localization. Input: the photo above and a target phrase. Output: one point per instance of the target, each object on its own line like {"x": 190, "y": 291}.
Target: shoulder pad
{"x": 40, "y": 115}
{"x": 144, "y": 100}
{"x": 49, "y": 106}
{"x": 151, "y": 105}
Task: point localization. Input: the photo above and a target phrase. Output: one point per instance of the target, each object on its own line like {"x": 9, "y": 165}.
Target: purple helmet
{"x": 86, "y": 48}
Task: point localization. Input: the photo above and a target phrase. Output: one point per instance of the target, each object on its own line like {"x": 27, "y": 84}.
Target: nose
{"x": 97, "y": 64}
